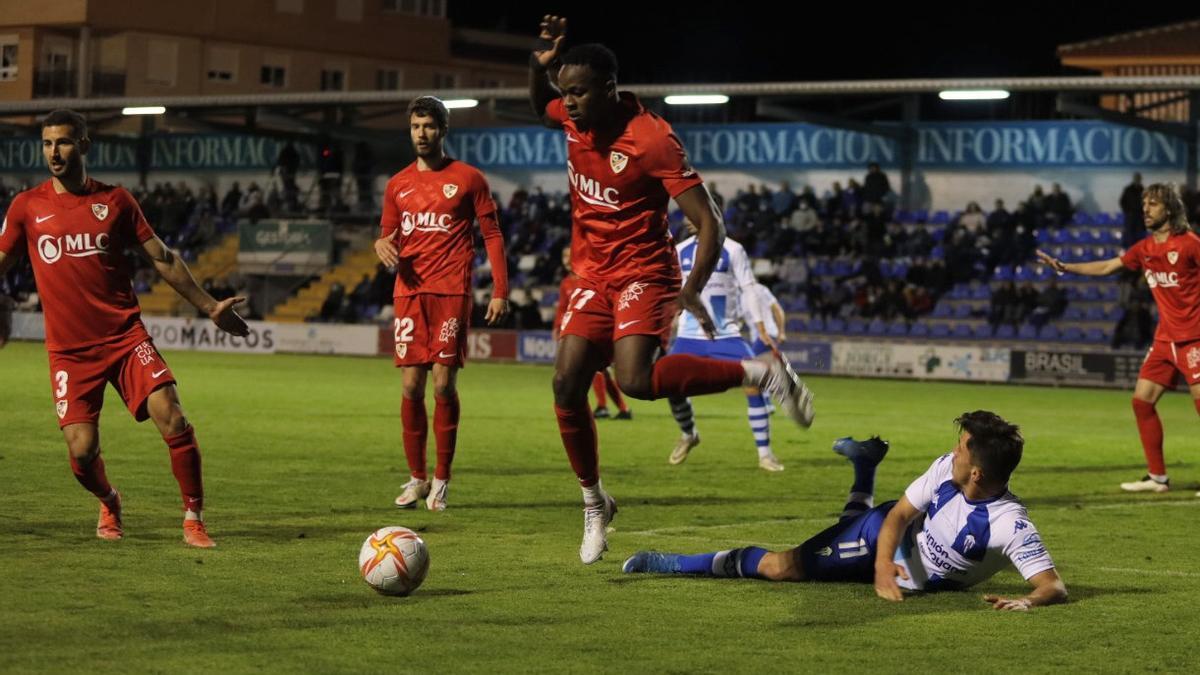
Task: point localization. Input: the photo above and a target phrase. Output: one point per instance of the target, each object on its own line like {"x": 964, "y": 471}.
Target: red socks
{"x": 416, "y": 431}
{"x": 92, "y": 476}
{"x": 445, "y": 431}
{"x": 185, "y": 464}
{"x": 578, "y": 430}
{"x": 598, "y": 389}
{"x": 682, "y": 375}
{"x": 1151, "y": 430}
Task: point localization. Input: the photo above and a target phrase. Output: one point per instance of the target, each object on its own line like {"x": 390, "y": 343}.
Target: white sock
{"x": 1157, "y": 478}
{"x": 594, "y": 495}
{"x": 191, "y": 515}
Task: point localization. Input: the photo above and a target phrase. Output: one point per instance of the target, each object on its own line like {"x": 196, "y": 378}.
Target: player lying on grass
{"x": 954, "y": 527}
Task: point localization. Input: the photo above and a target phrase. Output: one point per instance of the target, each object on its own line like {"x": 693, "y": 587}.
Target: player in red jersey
{"x": 76, "y": 231}
{"x": 428, "y": 209}
{"x": 624, "y": 165}
{"x": 1170, "y": 260}
{"x": 603, "y": 381}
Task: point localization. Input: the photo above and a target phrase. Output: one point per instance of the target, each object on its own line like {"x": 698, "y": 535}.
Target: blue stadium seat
{"x": 835, "y": 325}
{"x": 1091, "y": 293}
{"x": 921, "y": 216}
{"x": 940, "y": 218}
{"x": 919, "y": 330}
{"x": 1094, "y": 314}
{"x": 940, "y": 330}
{"x": 1005, "y": 332}
{"x": 1004, "y": 273}
{"x": 962, "y": 311}
{"x": 1094, "y": 335}
{"x": 799, "y": 325}
{"x": 981, "y": 292}
{"x": 1048, "y": 332}
{"x": 1027, "y": 332}
{"x": 981, "y": 331}
{"x": 904, "y": 217}
{"x": 856, "y": 327}
{"x": 1042, "y": 235}
{"x": 961, "y": 331}
{"x": 877, "y": 327}
{"x": 898, "y": 329}
{"x": 1071, "y": 334}
{"x": 816, "y": 325}
{"x": 942, "y": 311}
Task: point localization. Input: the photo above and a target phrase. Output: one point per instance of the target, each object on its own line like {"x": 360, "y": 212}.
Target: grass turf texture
{"x": 302, "y": 459}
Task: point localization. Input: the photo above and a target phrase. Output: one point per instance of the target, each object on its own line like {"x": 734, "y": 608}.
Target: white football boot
{"x": 595, "y": 529}
{"x": 1146, "y": 484}
{"x": 436, "y": 501}
{"x": 789, "y": 391}
{"x": 770, "y": 463}
{"x": 683, "y": 447}
{"x": 414, "y": 491}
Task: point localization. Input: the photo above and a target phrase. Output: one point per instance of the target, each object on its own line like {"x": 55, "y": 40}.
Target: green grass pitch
{"x": 302, "y": 459}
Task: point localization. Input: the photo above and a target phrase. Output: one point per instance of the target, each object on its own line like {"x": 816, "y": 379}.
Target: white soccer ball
{"x": 393, "y": 560}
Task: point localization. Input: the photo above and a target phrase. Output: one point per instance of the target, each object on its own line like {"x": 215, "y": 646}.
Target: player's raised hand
{"x": 1008, "y": 604}
{"x": 690, "y": 301}
{"x": 497, "y": 309}
{"x": 386, "y": 249}
{"x": 550, "y": 39}
{"x": 885, "y": 581}
{"x": 227, "y": 319}
{"x": 1054, "y": 263}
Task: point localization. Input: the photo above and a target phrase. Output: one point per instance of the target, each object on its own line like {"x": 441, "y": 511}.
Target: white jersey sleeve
{"x": 921, "y": 491}
{"x": 743, "y": 274}
{"x": 1025, "y": 548}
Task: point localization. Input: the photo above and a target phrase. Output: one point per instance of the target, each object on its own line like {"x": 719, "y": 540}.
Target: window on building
{"x": 387, "y": 79}
{"x": 289, "y": 6}
{"x": 444, "y": 81}
{"x": 222, "y": 64}
{"x": 349, "y": 10}
{"x": 435, "y": 8}
{"x": 162, "y": 62}
{"x": 273, "y": 75}
{"x": 8, "y": 57}
{"x": 333, "y": 79}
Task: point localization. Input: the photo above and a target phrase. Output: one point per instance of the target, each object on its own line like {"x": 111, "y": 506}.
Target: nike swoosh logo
{"x": 1196, "y": 376}
{"x": 158, "y": 374}
{"x": 44, "y": 218}
{"x": 405, "y": 194}
{"x": 624, "y": 324}
{"x": 572, "y": 139}
{"x": 444, "y": 355}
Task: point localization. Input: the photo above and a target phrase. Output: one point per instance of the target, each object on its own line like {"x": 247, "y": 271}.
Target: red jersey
{"x": 433, "y": 212}
{"x": 77, "y": 245}
{"x": 1172, "y": 271}
{"x": 620, "y": 190}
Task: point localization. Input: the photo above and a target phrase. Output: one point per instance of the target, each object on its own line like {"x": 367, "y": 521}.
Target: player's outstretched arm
{"x": 543, "y": 65}
{"x": 1048, "y": 589}
{"x": 1095, "y": 268}
{"x": 886, "y": 568}
{"x": 698, "y": 207}
{"x": 176, "y": 273}
{"x": 780, "y": 321}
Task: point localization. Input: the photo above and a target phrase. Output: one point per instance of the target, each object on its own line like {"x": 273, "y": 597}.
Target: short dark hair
{"x": 430, "y": 106}
{"x": 64, "y": 116}
{"x": 995, "y": 444}
{"x": 594, "y": 55}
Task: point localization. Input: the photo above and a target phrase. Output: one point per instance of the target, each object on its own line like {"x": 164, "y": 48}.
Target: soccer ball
{"x": 393, "y": 560}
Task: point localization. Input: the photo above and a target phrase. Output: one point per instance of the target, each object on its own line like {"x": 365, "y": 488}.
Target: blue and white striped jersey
{"x": 957, "y": 543}
{"x": 731, "y": 280}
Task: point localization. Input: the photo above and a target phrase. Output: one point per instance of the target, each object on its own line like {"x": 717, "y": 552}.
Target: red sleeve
{"x": 136, "y": 221}
{"x": 666, "y": 160}
{"x": 482, "y": 196}
{"x": 493, "y": 242}
{"x": 1133, "y": 257}
{"x": 12, "y": 232}
{"x": 389, "y": 222}
{"x": 555, "y": 110}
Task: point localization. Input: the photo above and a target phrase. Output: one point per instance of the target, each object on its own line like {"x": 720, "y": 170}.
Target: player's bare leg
{"x": 574, "y": 367}
{"x": 83, "y": 445}
{"x": 1145, "y": 397}
{"x": 415, "y": 421}
{"x": 445, "y": 431}
{"x": 164, "y": 408}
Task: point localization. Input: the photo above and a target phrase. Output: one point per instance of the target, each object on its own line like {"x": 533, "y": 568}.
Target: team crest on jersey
{"x": 1172, "y": 256}
{"x": 100, "y": 211}
{"x": 61, "y": 408}
{"x": 618, "y": 161}
{"x": 449, "y": 189}
{"x": 401, "y": 349}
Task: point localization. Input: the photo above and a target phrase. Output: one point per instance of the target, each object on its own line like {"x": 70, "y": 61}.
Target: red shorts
{"x": 1165, "y": 359}
{"x": 432, "y": 329}
{"x": 603, "y": 313}
{"x": 133, "y": 366}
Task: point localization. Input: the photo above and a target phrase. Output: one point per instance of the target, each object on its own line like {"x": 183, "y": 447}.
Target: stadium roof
{"x": 1172, "y": 40}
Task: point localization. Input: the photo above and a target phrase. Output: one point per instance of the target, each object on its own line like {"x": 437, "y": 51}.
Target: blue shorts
{"x": 846, "y": 551}
{"x": 728, "y": 349}
{"x": 759, "y": 348}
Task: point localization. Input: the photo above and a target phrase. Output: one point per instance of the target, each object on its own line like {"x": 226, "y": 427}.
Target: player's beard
{"x": 1156, "y": 226}
{"x": 69, "y": 170}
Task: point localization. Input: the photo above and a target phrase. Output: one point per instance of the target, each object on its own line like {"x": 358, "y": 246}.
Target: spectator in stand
{"x": 892, "y": 304}
{"x": 919, "y": 302}
{"x": 875, "y": 228}
{"x": 809, "y": 197}
{"x": 937, "y": 279}
{"x": 253, "y": 204}
{"x": 1027, "y": 301}
{"x": 331, "y": 309}
{"x": 835, "y": 201}
{"x": 1131, "y": 207}
{"x": 973, "y": 220}
{"x": 1052, "y": 302}
{"x": 852, "y": 198}
{"x": 364, "y": 176}
{"x": 1058, "y": 207}
{"x": 382, "y": 286}
{"x": 999, "y": 219}
{"x": 918, "y": 244}
{"x": 1136, "y": 326}
{"x": 232, "y": 202}
{"x": 875, "y": 186}
{"x": 361, "y": 296}
{"x": 1036, "y": 205}
{"x": 287, "y": 164}
{"x": 1004, "y": 307}
{"x": 961, "y": 256}
{"x": 783, "y": 201}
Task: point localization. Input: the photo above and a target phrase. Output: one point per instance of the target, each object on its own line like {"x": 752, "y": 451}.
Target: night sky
{"x": 730, "y": 41}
